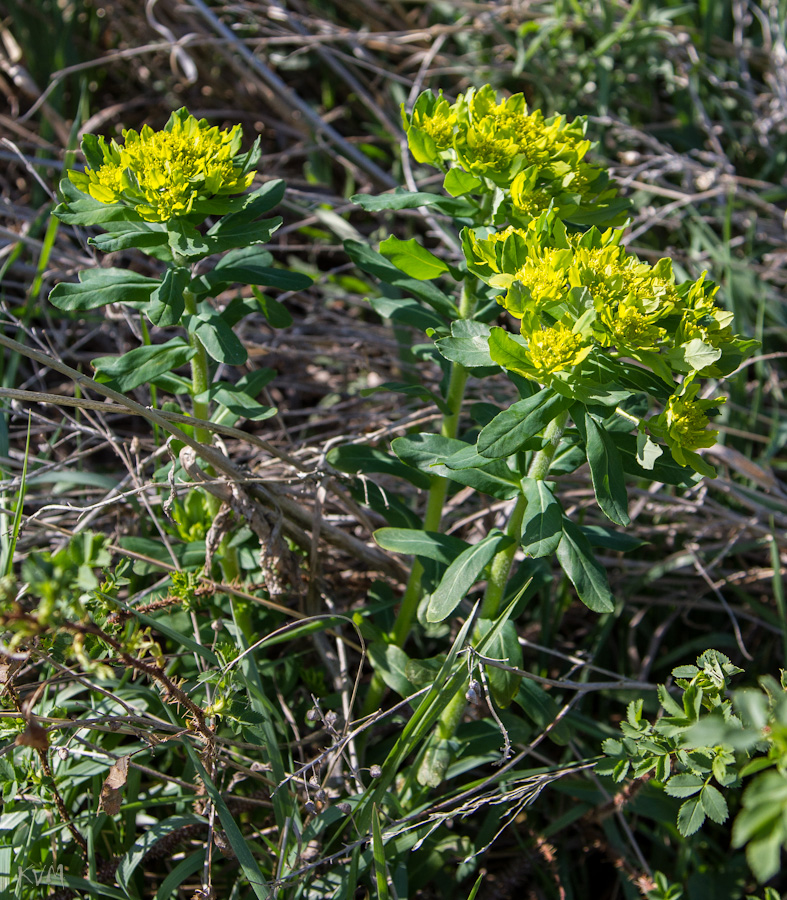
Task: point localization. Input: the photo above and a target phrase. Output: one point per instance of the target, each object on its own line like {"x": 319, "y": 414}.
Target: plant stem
{"x": 438, "y": 487}
{"x": 501, "y": 564}
{"x": 200, "y": 381}
{"x": 200, "y": 375}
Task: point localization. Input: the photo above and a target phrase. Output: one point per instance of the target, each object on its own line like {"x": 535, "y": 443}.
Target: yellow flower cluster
{"x": 577, "y": 296}
{"x": 539, "y": 163}
{"x": 162, "y": 174}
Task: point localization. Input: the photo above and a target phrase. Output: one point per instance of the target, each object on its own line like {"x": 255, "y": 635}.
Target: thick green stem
{"x": 200, "y": 382}
{"x": 438, "y": 489}
{"x": 501, "y": 564}
{"x": 200, "y": 373}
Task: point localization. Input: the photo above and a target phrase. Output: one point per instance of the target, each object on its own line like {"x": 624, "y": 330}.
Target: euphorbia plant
{"x": 611, "y": 358}
{"x": 177, "y": 195}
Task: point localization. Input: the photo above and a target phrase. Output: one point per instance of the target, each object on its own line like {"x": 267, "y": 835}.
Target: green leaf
{"x": 412, "y": 258}
{"x": 128, "y": 235}
{"x": 504, "y": 647}
{"x": 142, "y": 364}
{"x": 238, "y": 400}
{"x": 457, "y": 182}
{"x": 443, "y": 548}
{"x": 684, "y": 785}
{"x": 611, "y": 540}
{"x": 685, "y": 671}
{"x": 189, "y": 245}
{"x": 355, "y": 459}
{"x": 253, "y": 205}
{"x": 468, "y": 344}
{"x": 391, "y": 662}
{"x": 436, "y": 455}
{"x": 101, "y": 286}
{"x": 511, "y": 429}
{"x": 166, "y": 302}
{"x": 606, "y": 472}
{"x": 378, "y": 855}
{"x": 82, "y": 209}
{"x": 236, "y": 840}
{"x": 145, "y": 842}
{"x": 220, "y": 341}
{"x": 690, "y": 817}
{"x": 407, "y": 311}
{"x": 425, "y": 451}
{"x": 575, "y": 555}
{"x": 411, "y": 390}
{"x": 541, "y": 708}
{"x": 376, "y": 264}
{"x": 698, "y": 355}
{"x": 223, "y": 276}
{"x": 542, "y": 524}
{"x": 764, "y": 853}
{"x": 462, "y": 574}
{"x": 671, "y": 706}
{"x": 508, "y": 351}
{"x": 276, "y": 313}
{"x": 714, "y": 804}
{"x": 401, "y": 199}
{"x": 179, "y": 874}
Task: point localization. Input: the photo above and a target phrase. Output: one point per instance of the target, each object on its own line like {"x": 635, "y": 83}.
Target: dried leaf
{"x": 33, "y": 736}
{"x": 111, "y": 790}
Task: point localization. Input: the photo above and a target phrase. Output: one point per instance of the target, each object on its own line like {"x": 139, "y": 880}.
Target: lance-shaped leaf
{"x": 413, "y": 259}
{"x": 458, "y": 182}
{"x": 142, "y": 364}
{"x": 252, "y": 206}
{"x": 542, "y": 524}
{"x": 401, "y": 199}
{"x": 511, "y": 429}
{"x": 145, "y": 842}
{"x": 219, "y": 339}
{"x": 376, "y": 264}
{"x": 454, "y": 459}
{"x": 82, "y": 209}
{"x": 98, "y": 287}
{"x": 583, "y": 569}
{"x": 166, "y": 302}
{"x": 128, "y": 235}
{"x": 188, "y": 244}
{"x": 462, "y": 574}
{"x": 444, "y": 548}
{"x": 606, "y": 472}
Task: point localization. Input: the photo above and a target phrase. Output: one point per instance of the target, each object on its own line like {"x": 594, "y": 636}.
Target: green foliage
{"x": 707, "y": 738}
